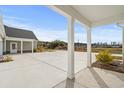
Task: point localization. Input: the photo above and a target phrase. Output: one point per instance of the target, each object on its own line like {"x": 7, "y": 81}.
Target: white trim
{"x": 70, "y": 72}
{"x": 89, "y": 55}
{"x": 121, "y": 26}
{"x": 19, "y": 39}
{"x": 123, "y": 45}
{"x": 11, "y": 47}
{"x": 21, "y": 46}
{"x": 4, "y": 45}
{"x": 32, "y": 46}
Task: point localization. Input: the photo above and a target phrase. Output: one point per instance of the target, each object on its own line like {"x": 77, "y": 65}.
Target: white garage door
{"x": 1, "y": 47}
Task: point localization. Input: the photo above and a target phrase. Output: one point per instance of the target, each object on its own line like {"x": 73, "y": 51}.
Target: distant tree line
{"x": 106, "y": 45}
{"x": 58, "y": 44}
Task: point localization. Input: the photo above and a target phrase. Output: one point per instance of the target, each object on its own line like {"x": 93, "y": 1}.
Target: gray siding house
{"x": 15, "y": 40}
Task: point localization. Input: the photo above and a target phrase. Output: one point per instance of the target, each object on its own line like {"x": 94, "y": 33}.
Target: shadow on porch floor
{"x": 94, "y": 78}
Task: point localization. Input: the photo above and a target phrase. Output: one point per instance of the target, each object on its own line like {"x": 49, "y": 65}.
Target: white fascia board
{"x": 109, "y": 20}
{"x": 68, "y": 10}
{"x": 19, "y": 39}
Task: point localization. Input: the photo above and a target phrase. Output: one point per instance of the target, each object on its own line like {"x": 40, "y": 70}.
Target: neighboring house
{"x": 15, "y": 40}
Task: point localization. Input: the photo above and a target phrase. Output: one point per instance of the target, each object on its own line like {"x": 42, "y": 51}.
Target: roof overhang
{"x": 68, "y": 11}
{"x": 19, "y": 39}
{"x": 93, "y": 15}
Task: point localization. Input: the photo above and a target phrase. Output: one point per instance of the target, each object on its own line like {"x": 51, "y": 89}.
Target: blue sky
{"x": 48, "y": 25}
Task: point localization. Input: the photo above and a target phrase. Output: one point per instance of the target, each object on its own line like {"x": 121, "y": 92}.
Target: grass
{"x": 96, "y": 50}
{"x": 117, "y": 57}
{"x": 112, "y": 50}
{"x": 48, "y": 50}
{"x": 42, "y": 49}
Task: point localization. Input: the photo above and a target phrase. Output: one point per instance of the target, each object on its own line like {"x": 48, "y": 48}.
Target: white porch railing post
{"x": 70, "y": 72}
{"x": 21, "y": 46}
{"x": 123, "y": 45}
{"x": 32, "y": 46}
{"x": 89, "y": 55}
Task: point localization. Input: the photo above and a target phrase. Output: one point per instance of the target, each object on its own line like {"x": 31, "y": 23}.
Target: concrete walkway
{"x": 49, "y": 69}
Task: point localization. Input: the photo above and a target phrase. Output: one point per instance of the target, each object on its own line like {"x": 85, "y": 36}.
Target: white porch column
{"x": 21, "y": 46}
{"x": 5, "y": 46}
{"x": 89, "y": 55}
{"x": 123, "y": 45}
{"x": 70, "y": 72}
{"x": 32, "y": 46}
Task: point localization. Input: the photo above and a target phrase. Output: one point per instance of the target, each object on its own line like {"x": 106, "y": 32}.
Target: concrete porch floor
{"x": 94, "y": 78}
{"x": 49, "y": 69}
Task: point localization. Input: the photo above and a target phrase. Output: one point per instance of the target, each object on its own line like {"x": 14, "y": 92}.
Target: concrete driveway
{"x": 58, "y": 59}
{"x": 49, "y": 69}
{"x": 39, "y": 69}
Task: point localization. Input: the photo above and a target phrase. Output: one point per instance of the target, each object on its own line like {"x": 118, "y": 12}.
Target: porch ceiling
{"x": 95, "y": 15}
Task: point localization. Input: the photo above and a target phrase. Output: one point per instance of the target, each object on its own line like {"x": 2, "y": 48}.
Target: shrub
{"x": 56, "y": 44}
{"x": 39, "y": 49}
{"x": 104, "y": 56}
{"x": 7, "y": 58}
{"x": 1, "y": 58}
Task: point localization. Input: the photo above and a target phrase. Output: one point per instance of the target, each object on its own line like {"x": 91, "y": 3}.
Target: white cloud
{"x": 14, "y": 18}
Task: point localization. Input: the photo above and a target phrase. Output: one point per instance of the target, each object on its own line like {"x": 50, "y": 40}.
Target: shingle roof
{"x": 19, "y": 33}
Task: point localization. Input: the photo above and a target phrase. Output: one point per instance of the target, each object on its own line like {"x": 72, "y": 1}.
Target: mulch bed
{"x": 114, "y": 66}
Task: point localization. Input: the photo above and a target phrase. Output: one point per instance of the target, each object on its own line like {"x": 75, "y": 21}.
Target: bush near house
{"x": 104, "y": 56}
{"x": 5, "y": 58}
{"x": 39, "y": 49}
{"x": 42, "y": 49}
{"x": 57, "y": 44}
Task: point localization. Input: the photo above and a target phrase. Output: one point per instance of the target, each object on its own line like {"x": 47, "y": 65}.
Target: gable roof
{"x": 19, "y": 33}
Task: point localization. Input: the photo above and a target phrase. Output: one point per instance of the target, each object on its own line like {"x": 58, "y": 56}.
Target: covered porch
{"x": 89, "y": 17}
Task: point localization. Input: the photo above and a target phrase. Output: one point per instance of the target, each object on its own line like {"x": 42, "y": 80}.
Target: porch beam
{"x": 70, "y": 73}
{"x": 89, "y": 55}
{"x": 21, "y": 46}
